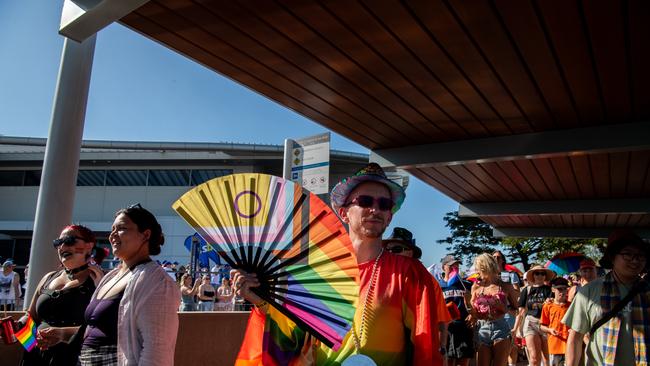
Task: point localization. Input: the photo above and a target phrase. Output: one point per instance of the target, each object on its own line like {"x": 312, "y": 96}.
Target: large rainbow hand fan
{"x": 291, "y": 239}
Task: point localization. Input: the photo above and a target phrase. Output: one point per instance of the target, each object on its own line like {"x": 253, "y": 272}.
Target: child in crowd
{"x": 551, "y": 321}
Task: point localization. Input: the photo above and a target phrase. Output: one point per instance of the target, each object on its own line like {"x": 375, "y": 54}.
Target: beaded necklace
{"x": 369, "y": 293}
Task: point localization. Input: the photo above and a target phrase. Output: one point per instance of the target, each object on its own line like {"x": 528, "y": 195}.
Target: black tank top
{"x": 61, "y": 308}
{"x": 66, "y": 307}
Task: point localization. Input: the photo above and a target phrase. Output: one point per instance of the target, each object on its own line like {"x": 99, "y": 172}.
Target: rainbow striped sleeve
{"x": 27, "y": 334}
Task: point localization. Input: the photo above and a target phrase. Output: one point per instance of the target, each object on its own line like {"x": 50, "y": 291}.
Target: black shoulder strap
{"x": 52, "y": 276}
{"x": 618, "y": 307}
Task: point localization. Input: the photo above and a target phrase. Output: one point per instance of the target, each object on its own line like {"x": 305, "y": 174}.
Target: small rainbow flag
{"x": 27, "y": 334}
{"x": 474, "y": 277}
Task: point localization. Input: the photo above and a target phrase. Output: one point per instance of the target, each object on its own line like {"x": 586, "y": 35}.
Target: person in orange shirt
{"x": 397, "y": 324}
{"x": 551, "y": 321}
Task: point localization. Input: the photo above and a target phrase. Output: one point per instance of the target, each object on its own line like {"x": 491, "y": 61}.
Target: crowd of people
{"x": 204, "y": 295}
{"x": 405, "y": 315}
{"x": 583, "y": 319}
{"x": 206, "y": 290}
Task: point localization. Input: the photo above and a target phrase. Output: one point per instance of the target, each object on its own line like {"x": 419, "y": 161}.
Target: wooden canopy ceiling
{"x": 531, "y": 114}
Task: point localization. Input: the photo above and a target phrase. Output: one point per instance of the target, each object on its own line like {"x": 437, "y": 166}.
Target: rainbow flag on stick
{"x": 27, "y": 334}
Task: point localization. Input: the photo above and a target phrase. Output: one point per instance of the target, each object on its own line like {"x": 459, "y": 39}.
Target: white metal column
{"x": 61, "y": 163}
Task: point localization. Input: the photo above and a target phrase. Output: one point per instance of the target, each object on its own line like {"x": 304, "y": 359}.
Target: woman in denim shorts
{"x": 490, "y": 297}
{"x": 531, "y": 301}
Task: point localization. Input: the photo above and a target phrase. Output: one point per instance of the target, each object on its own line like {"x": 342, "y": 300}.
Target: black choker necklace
{"x": 71, "y": 272}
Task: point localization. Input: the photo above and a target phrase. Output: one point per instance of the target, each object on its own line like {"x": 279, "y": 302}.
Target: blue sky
{"x": 137, "y": 86}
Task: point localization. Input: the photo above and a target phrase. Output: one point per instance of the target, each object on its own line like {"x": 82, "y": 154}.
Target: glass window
{"x": 203, "y": 175}
{"x": 169, "y": 177}
{"x": 91, "y": 178}
{"x": 6, "y": 249}
{"x": 21, "y": 252}
{"x": 32, "y": 177}
{"x": 126, "y": 178}
{"x": 11, "y": 177}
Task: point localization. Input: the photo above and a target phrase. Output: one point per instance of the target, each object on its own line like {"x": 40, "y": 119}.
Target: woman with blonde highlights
{"x": 490, "y": 298}
{"x": 188, "y": 292}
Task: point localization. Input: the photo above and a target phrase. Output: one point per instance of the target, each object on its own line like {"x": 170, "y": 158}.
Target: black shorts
{"x": 460, "y": 341}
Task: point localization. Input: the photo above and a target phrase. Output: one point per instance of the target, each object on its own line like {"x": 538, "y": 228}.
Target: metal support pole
{"x": 61, "y": 162}
{"x": 286, "y": 166}
{"x": 194, "y": 258}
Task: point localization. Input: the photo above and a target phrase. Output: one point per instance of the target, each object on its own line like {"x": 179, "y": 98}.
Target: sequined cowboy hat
{"x": 370, "y": 173}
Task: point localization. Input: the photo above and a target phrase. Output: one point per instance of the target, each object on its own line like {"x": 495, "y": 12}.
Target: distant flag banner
{"x": 204, "y": 251}
{"x": 453, "y": 277}
{"x": 27, "y": 335}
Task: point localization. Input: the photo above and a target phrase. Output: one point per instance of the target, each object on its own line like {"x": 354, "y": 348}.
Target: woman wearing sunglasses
{"x": 401, "y": 242}
{"x": 132, "y": 316}
{"x": 531, "y": 302}
{"x": 61, "y": 297}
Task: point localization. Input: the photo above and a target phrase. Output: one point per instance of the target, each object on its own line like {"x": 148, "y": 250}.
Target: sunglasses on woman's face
{"x": 539, "y": 273}
{"x": 363, "y": 201}
{"x": 397, "y": 249}
{"x": 67, "y": 240}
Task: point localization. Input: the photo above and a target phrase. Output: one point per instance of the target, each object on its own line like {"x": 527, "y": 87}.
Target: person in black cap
{"x": 401, "y": 242}
{"x": 613, "y": 309}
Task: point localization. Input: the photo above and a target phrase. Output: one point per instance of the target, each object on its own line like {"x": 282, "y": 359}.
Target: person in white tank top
{"x": 9, "y": 286}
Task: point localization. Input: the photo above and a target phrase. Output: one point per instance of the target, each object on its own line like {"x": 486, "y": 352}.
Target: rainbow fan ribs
{"x": 291, "y": 239}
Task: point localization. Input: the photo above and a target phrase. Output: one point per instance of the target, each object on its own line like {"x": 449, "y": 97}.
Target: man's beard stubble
{"x": 373, "y": 234}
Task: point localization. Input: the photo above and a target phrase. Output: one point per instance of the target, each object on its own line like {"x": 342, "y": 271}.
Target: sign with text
{"x": 310, "y": 162}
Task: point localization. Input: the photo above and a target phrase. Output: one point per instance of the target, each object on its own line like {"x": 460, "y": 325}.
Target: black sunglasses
{"x": 397, "y": 249}
{"x": 68, "y": 240}
{"x": 363, "y": 201}
{"x": 539, "y": 273}
{"x": 135, "y": 206}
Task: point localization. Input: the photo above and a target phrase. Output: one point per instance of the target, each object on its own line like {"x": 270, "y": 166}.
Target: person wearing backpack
{"x": 613, "y": 309}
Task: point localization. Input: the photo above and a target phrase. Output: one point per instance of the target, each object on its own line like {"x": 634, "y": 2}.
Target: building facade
{"x": 114, "y": 174}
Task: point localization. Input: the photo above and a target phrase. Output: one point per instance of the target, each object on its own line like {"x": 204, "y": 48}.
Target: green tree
{"x": 469, "y": 236}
